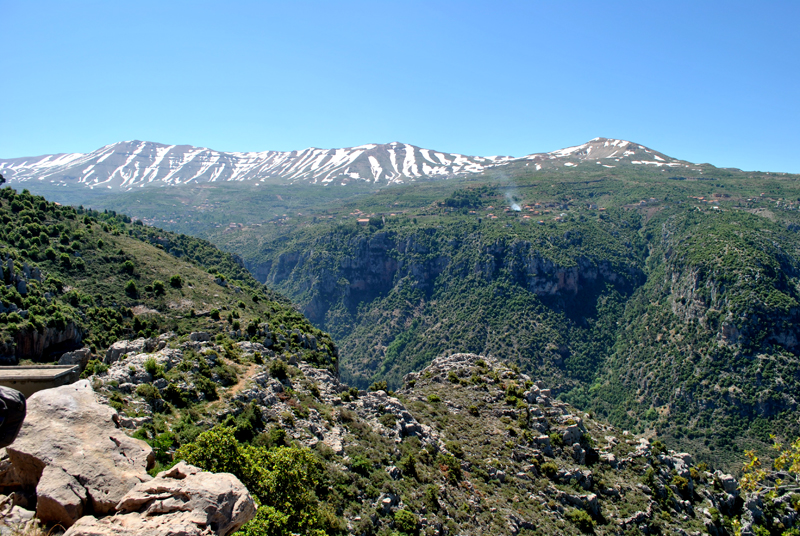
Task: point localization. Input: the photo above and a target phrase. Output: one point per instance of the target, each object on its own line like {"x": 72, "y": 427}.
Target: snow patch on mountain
{"x": 129, "y": 164}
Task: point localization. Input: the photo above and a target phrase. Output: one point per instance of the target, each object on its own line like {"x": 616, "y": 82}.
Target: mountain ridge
{"x": 125, "y": 165}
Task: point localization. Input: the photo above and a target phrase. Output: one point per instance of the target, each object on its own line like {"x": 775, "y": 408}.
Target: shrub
{"x": 278, "y": 369}
{"x": 130, "y": 289}
{"x": 379, "y": 386}
{"x": 657, "y": 447}
{"x": 149, "y": 393}
{"x": 454, "y": 448}
{"x": 153, "y": 368}
{"x": 448, "y": 464}
{"x": 556, "y": 439}
{"x": 681, "y": 483}
{"x": 388, "y": 420}
{"x": 405, "y": 521}
{"x": 549, "y": 469}
{"x": 207, "y": 387}
{"x": 158, "y": 288}
{"x": 408, "y": 465}
{"x": 434, "y": 399}
{"x": 95, "y": 366}
{"x": 214, "y": 314}
{"x": 361, "y": 465}
{"x": 175, "y": 281}
{"x": 127, "y": 267}
{"x": 581, "y": 519}
{"x": 65, "y": 260}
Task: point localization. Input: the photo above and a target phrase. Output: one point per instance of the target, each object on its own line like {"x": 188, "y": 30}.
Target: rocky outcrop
{"x": 71, "y": 453}
{"x": 137, "y": 346}
{"x": 78, "y": 357}
{"x": 32, "y": 344}
{"x": 183, "y": 500}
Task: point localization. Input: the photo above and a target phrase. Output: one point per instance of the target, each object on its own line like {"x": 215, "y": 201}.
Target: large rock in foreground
{"x": 182, "y": 501}
{"x": 72, "y": 452}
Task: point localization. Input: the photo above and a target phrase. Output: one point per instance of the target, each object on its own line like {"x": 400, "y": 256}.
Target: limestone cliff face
{"x": 33, "y": 344}
{"x": 362, "y": 267}
{"x": 744, "y": 307}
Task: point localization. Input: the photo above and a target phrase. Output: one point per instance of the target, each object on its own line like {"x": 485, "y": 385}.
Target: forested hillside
{"x": 78, "y": 277}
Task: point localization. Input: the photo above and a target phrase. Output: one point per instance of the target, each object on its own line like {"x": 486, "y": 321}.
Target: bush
{"x": 451, "y": 466}
{"x": 379, "y": 386}
{"x": 405, "y": 521}
{"x": 175, "y": 281}
{"x": 556, "y": 439}
{"x": 207, "y": 387}
{"x": 158, "y": 288}
{"x": 283, "y": 480}
{"x": 581, "y": 519}
{"x": 549, "y": 469}
{"x": 152, "y": 367}
{"x": 278, "y": 369}
{"x": 361, "y": 465}
{"x": 214, "y": 314}
{"x": 95, "y": 366}
{"x": 130, "y": 289}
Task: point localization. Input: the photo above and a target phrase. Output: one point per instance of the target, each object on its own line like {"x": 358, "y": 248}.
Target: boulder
{"x": 199, "y": 336}
{"x": 138, "y": 346}
{"x": 78, "y": 357}
{"x": 183, "y": 501}
{"x": 71, "y": 450}
{"x": 572, "y": 434}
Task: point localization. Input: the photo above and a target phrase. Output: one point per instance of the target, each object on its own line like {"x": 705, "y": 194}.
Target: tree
{"x": 787, "y": 461}
{"x": 2, "y": 180}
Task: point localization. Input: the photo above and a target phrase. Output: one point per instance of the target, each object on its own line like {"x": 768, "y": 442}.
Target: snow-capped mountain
{"x": 130, "y": 164}
{"x": 603, "y": 151}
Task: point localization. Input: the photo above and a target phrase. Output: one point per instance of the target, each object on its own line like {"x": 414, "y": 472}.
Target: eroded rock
{"x": 183, "y": 501}
{"x": 70, "y": 438}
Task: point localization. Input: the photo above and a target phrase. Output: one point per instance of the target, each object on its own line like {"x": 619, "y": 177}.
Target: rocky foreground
{"x": 79, "y": 470}
{"x": 467, "y": 446}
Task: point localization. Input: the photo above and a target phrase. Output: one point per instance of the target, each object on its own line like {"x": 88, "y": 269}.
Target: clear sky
{"x": 705, "y": 81}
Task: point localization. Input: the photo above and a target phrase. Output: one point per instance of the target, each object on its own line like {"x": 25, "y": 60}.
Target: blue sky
{"x": 715, "y": 82}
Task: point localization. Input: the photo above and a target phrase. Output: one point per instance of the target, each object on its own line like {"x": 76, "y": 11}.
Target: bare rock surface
{"x": 71, "y": 450}
{"x": 182, "y": 501}
{"x": 59, "y": 497}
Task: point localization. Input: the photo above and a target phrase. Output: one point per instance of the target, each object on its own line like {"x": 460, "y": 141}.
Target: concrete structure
{"x": 29, "y": 379}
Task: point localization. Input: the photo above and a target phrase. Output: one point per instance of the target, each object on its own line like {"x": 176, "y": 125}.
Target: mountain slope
{"x": 133, "y": 164}
{"x": 76, "y": 277}
{"x": 130, "y": 164}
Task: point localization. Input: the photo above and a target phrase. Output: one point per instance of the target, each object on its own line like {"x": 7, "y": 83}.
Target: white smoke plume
{"x": 512, "y": 203}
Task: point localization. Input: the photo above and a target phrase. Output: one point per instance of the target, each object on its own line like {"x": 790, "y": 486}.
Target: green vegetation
{"x": 97, "y": 277}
